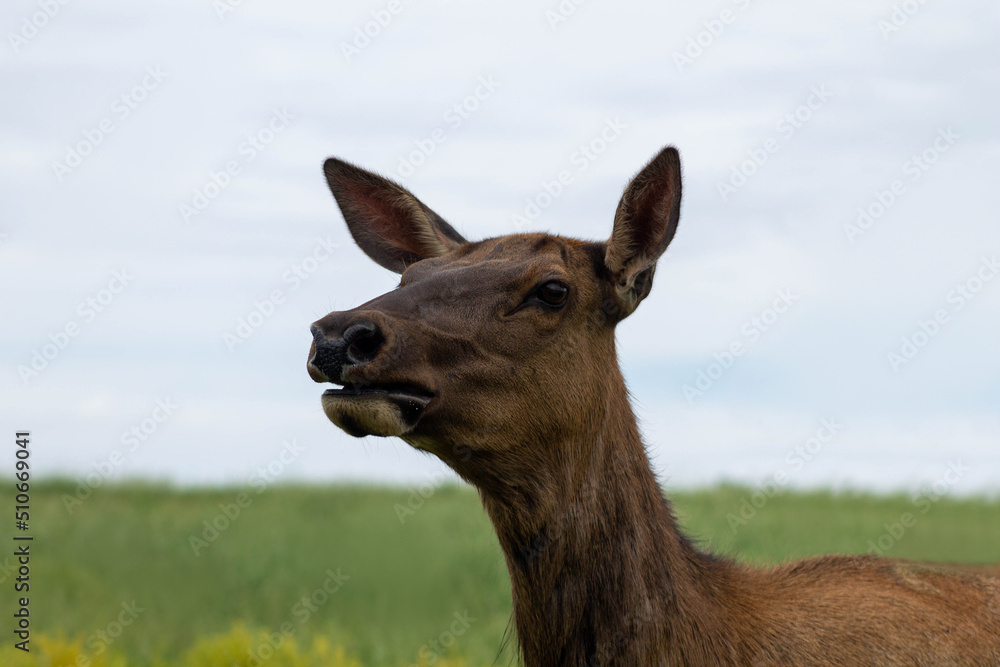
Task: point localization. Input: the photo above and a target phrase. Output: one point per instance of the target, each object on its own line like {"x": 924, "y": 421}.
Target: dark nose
{"x": 331, "y": 356}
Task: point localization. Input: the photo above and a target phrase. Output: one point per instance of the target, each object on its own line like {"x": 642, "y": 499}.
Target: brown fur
{"x": 529, "y": 405}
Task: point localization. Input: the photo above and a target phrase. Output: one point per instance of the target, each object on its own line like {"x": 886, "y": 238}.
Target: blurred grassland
{"x": 401, "y": 572}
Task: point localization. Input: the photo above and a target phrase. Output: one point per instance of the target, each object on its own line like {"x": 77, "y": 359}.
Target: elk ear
{"x": 387, "y": 222}
{"x": 645, "y": 223}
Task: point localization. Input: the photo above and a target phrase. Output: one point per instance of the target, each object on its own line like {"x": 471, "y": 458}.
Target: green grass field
{"x": 382, "y": 586}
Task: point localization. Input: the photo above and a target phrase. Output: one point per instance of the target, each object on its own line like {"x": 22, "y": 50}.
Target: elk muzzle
{"x": 370, "y": 401}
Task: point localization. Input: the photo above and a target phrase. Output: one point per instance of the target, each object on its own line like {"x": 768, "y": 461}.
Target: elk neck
{"x": 598, "y": 565}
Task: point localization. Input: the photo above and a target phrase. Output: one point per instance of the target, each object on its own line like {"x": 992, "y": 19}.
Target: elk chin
{"x": 381, "y": 414}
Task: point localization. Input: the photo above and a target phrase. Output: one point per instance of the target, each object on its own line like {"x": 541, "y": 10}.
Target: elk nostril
{"x": 363, "y": 342}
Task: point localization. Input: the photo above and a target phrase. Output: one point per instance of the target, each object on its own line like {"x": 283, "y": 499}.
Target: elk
{"x": 499, "y": 358}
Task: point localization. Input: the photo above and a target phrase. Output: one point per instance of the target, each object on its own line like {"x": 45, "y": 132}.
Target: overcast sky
{"x": 161, "y": 180}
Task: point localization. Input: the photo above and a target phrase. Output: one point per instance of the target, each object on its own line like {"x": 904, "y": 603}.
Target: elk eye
{"x": 553, "y": 293}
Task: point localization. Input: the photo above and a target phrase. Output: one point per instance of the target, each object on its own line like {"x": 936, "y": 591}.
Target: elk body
{"x": 498, "y": 356}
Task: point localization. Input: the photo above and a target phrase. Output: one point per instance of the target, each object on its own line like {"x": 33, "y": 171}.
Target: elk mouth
{"x": 384, "y": 409}
{"x": 388, "y": 389}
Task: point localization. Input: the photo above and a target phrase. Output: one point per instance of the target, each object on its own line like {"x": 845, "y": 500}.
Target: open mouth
{"x": 389, "y": 390}
{"x": 376, "y": 408}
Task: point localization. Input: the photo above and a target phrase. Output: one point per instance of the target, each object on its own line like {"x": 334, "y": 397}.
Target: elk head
{"x": 491, "y": 351}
